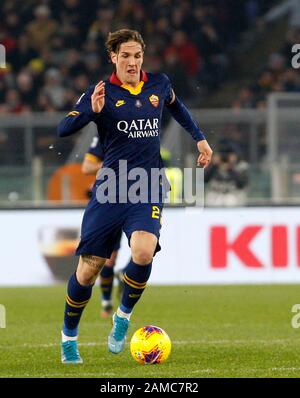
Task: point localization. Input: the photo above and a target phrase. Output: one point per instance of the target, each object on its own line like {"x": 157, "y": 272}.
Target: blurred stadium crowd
{"x": 277, "y": 75}
{"x": 55, "y": 49}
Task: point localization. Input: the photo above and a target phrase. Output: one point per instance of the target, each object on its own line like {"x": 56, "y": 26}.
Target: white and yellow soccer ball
{"x": 150, "y": 345}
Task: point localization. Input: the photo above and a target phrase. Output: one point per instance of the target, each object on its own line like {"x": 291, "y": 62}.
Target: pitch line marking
{"x": 200, "y": 371}
{"x": 175, "y": 342}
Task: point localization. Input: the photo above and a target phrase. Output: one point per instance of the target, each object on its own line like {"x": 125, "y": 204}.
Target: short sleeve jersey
{"x": 95, "y": 148}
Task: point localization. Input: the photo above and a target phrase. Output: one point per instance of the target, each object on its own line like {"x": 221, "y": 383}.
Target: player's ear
{"x": 113, "y": 57}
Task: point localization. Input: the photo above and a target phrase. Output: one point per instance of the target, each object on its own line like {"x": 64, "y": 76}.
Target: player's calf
{"x": 79, "y": 291}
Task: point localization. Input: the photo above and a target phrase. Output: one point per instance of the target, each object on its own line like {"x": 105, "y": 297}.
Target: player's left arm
{"x": 181, "y": 114}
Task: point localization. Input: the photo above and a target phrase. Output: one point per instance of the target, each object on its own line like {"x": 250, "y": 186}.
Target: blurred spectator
{"x": 187, "y": 53}
{"x": 42, "y": 28}
{"x": 277, "y": 64}
{"x": 81, "y": 82}
{"x": 245, "y": 99}
{"x": 23, "y": 53}
{"x": 13, "y": 24}
{"x": 93, "y": 68}
{"x": 13, "y": 102}
{"x": 214, "y": 59}
{"x": 53, "y": 88}
{"x": 163, "y": 33}
{"x": 74, "y": 62}
{"x": 226, "y": 178}
{"x": 26, "y": 88}
{"x": 44, "y": 104}
{"x": 153, "y": 61}
{"x": 291, "y": 80}
{"x": 174, "y": 69}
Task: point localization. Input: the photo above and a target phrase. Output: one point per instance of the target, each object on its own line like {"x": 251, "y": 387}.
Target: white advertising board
{"x": 210, "y": 246}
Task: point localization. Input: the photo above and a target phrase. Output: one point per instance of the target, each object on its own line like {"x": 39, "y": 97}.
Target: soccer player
{"x": 127, "y": 109}
{"x": 92, "y": 162}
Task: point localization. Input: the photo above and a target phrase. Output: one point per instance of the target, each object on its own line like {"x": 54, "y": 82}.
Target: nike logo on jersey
{"x": 120, "y": 103}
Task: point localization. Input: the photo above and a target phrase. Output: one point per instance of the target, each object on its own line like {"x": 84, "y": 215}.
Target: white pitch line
{"x": 149, "y": 373}
{"x": 175, "y": 342}
{"x": 285, "y": 369}
{"x": 250, "y": 370}
{"x": 239, "y": 341}
{"x": 63, "y": 375}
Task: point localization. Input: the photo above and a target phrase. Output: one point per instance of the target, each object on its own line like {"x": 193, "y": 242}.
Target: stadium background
{"x": 231, "y": 64}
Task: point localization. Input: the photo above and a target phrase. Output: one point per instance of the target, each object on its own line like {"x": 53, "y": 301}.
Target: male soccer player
{"x": 92, "y": 162}
{"x": 127, "y": 110}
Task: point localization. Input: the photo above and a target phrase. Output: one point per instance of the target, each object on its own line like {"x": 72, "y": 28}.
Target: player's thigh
{"x": 101, "y": 229}
{"x": 143, "y": 245}
{"x": 142, "y": 228}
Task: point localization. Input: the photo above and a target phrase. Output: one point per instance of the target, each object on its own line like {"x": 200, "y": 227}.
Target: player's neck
{"x": 133, "y": 85}
{"x": 130, "y": 84}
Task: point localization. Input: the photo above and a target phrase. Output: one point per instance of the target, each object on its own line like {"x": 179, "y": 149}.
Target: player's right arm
{"x": 93, "y": 159}
{"x": 91, "y": 164}
{"x": 87, "y": 109}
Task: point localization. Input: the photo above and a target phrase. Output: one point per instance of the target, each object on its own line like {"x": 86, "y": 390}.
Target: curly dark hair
{"x": 115, "y": 39}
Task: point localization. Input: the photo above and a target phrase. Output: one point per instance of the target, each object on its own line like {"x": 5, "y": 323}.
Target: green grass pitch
{"x": 216, "y": 331}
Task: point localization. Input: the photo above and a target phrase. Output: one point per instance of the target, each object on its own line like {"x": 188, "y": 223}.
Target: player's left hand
{"x": 205, "y": 153}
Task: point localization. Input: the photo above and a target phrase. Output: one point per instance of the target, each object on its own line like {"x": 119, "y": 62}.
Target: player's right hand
{"x": 98, "y": 97}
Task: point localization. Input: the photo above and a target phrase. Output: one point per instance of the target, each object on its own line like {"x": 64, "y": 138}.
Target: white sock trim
{"x": 122, "y": 314}
{"x": 65, "y": 338}
{"x": 104, "y": 303}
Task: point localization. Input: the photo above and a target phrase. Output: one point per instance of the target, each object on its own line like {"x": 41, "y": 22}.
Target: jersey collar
{"x": 137, "y": 90}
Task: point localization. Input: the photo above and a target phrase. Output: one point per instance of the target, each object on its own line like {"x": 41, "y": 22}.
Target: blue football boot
{"x": 117, "y": 337}
{"x": 70, "y": 353}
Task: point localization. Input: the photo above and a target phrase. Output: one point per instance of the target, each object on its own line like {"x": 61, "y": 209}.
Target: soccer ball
{"x": 150, "y": 345}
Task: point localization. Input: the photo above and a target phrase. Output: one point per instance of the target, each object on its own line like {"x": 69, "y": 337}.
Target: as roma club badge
{"x": 154, "y": 100}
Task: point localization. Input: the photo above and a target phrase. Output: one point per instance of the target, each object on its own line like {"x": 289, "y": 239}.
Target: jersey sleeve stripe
{"x": 91, "y": 158}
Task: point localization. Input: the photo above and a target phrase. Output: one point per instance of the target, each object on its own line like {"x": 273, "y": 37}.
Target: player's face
{"x": 128, "y": 62}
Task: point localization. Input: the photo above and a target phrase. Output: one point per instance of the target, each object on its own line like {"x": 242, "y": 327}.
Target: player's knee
{"x": 86, "y": 279}
{"x": 142, "y": 256}
{"x": 142, "y": 247}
